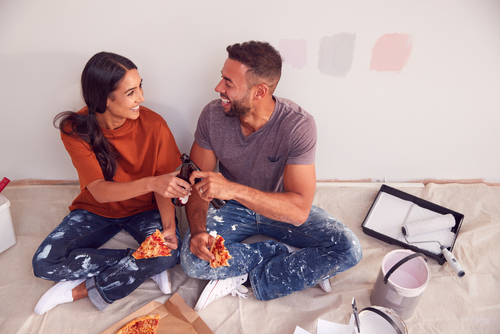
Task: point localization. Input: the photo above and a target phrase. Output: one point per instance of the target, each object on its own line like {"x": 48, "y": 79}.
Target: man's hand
{"x": 213, "y": 185}
{"x": 200, "y": 245}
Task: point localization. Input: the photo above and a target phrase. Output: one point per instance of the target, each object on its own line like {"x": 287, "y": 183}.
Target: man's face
{"x": 233, "y": 89}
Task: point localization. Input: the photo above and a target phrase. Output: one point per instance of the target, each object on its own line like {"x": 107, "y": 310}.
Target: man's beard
{"x": 239, "y": 108}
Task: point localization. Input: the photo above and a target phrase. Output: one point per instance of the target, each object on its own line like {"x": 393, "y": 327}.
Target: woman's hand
{"x": 171, "y": 186}
{"x": 170, "y": 238}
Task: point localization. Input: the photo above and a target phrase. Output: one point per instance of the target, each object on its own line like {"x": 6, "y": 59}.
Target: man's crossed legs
{"x": 320, "y": 248}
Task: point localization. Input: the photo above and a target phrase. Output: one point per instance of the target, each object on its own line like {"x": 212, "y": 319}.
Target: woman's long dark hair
{"x": 100, "y": 77}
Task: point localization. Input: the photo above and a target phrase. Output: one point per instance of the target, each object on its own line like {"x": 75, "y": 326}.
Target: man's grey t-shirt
{"x": 258, "y": 160}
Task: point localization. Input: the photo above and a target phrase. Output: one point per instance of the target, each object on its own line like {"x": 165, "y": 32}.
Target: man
{"x": 265, "y": 146}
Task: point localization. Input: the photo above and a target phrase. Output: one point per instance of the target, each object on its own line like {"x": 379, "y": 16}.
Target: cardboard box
{"x": 175, "y": 318}
{"x": 385, "y": 224}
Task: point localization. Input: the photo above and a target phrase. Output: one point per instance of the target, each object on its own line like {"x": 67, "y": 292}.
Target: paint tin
{"x": 402, "y": 279}
{"x": 377, "y": 320}
{"x": 7, "y": 235}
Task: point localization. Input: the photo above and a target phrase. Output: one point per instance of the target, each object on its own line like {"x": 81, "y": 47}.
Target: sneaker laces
{"x": 240, "y": 292}
{"x": 236, "y": 288}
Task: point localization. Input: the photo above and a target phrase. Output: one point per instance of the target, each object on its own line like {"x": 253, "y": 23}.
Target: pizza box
{"x": 392, "y": 208}
{"x": 175, "y": 318}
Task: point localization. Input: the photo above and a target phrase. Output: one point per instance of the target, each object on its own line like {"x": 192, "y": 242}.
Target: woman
{"x": 126, "y": 159}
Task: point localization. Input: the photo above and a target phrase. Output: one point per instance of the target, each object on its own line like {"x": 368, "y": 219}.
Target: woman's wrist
{"x": 149, "y": 184}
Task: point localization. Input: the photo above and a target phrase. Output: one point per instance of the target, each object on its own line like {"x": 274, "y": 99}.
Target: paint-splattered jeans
{"x": 70, "y": 252}
{"x": 327, "y": 247}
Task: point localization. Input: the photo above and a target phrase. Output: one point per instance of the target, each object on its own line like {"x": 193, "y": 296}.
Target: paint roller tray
{"x": 392, "y": 208}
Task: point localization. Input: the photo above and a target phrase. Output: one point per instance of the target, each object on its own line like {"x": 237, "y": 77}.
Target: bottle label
{"x": 184, "y": 199}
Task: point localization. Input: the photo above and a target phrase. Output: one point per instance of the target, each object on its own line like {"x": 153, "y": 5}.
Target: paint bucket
{"x": 401, "y": 281}
{"x": 7, "y": 235}
{"x": 377, "y": 320}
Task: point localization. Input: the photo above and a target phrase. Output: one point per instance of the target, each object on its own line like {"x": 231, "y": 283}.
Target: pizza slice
{"x": 220, "y": 252}
{"x": 147, "y": 324}
{"x": 153, "y": 246}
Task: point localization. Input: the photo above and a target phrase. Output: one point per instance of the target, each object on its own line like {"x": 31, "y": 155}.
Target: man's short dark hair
{"x": 263, "y": 61}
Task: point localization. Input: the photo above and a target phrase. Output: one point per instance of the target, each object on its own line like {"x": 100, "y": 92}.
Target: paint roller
{"x": 432, "y": 225}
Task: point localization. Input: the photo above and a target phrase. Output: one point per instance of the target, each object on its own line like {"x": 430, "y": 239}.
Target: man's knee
{"x": 357, "y": 253}
{"x": 193, "y": 267}
{"x": 345, "y": 244}
{"x": 186, "y": 259}
{"x": 354, "y": 252}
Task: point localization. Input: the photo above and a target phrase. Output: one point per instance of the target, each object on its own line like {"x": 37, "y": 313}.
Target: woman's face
{"x": 124, "y": 102}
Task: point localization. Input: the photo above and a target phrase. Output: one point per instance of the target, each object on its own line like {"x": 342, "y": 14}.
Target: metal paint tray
{"x": 392, "y": 207}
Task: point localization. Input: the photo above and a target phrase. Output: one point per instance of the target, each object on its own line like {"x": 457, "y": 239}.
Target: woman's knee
{"x": 39, "y": 261}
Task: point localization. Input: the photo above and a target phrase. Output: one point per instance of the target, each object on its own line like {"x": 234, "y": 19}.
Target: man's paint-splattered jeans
{"x": 327, "y": 247}
{"x": 70, "y": 252}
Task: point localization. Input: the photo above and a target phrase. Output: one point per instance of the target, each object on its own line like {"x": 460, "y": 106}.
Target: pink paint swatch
{"x": 391, "y": 52}
{"x": 294, "y": 52}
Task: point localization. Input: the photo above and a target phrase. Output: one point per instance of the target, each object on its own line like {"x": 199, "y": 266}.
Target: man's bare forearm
{"x": 288, "y": 207}
{"x": 291, "y": 206}
{"x": 196, "y": 212}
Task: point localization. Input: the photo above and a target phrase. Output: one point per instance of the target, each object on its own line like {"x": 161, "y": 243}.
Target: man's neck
{"x": 257, "y": 117}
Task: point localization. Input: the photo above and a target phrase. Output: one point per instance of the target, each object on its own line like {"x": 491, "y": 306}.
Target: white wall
{"x": 438, "y": 118}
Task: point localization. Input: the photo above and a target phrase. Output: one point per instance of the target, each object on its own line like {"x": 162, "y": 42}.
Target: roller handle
{"x": 5, "y": 181}
{"x": 452, "y": 261}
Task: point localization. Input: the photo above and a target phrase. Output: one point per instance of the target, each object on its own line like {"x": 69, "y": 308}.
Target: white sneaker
{"x": 325, "y": 285}
{"x": 163, "y": 282}
{"x": 218, "y": 288}
{"x": 59, "y": 294}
